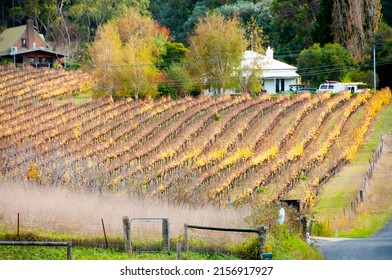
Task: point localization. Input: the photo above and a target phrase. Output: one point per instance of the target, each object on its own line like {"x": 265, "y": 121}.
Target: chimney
{"x": 30, "y": 33}
{"x": 269, "y": 53}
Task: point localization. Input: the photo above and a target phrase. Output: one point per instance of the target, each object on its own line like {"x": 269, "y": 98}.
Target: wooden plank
{"x": 224, "y": 229}
{"x": 41, "y": 243}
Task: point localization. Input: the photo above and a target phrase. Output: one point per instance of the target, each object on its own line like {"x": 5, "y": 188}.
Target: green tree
{"x": 216, "y": 49}
{"x": 174, "y": 53}
{"x": 178, "y": 80}
{"x": 383, "y": 42}
{"x": 321, "y": 30}
{"x": 358, "y": 75}
{"x": 330, "y": 62}
{"x": 291, "y": 26}
{"x": 181, "y": 16}
{"x": 173, "y": 14}
{"x": 387, "y": 11}
{"x": 255, "y": 18}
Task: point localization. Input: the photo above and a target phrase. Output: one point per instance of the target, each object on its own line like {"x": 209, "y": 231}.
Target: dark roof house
{"x": 23, "y": 45}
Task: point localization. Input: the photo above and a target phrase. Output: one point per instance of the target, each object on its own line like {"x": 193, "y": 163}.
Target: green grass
{"x": 366, "y": 225}
{"x": 286, "y": 245}
{"x": 89, "y": 253}
{"x": 82, "y": 97}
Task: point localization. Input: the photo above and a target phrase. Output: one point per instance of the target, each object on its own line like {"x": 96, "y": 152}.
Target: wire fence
{"x": 147, "y": 235}
{"x": 357, "y": 205}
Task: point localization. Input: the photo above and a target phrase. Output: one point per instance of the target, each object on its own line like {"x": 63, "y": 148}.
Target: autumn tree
{"x": 249, "y": 75}
{"x": 133, "y": 43}
{"x": 105, "y": 54}
{"x": 216, "y": 49}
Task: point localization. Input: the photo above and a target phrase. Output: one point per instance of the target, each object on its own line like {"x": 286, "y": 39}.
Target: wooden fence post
{"x": 262, "y": 237}
{"x": 165, "y": 235}
{"x": 127, "y": 234}
{"x": 104, "y": 234}
{"x": 304, "y": 223}
{"x": 178, "y": 250}
{"x": 17, "y": 232}
{"x": 69, "y": 250}
{"x": 186, "y": 245}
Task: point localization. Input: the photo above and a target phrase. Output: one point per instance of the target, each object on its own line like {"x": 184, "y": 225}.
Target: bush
{"x": 247, "y": 250}
{"x": 166, "y": 90}
{"x": 322, "y": 229}
{"x": 71, "y": 64}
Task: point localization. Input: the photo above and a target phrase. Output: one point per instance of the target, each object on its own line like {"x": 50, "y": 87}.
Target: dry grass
{"x": 55, "y": 209}
{"x": 378, "y": 196}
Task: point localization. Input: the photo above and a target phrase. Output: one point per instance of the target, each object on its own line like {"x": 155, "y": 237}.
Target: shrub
{"x": 322, "y": 229}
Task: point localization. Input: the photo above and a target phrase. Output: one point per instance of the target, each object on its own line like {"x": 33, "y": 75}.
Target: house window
{"x": 277, "y": 85}
{"x": 32, "y": 60}
{"x": 24, "y": 43}
{"x": 282, "y": 85}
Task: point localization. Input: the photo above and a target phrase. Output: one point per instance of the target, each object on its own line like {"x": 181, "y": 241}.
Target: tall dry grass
{"x": 376, "y": 208}
{"x": 56, "y": 209}
{"x": 378, "y": 197}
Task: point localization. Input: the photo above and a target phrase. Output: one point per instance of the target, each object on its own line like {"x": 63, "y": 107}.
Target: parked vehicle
{"x": 333, "y": 86}
{"x": 305, "y": 89}
{"x": 295, "y": 88}
{"x": 299, "y": 88}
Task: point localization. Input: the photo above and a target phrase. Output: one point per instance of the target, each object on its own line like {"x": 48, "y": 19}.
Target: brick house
{"x": 24, "y": 46}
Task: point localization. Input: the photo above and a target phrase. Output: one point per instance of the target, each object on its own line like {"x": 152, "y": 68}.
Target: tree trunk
{"x": 354, "y": 23}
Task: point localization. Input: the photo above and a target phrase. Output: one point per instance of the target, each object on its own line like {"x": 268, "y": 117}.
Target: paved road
{"x": 378, "y": 247}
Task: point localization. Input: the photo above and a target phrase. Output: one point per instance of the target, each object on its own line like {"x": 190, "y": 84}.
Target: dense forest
{"x": 289, "y": 26}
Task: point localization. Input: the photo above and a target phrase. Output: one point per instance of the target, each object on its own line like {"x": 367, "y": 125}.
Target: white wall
{"x": 270, "y": 84}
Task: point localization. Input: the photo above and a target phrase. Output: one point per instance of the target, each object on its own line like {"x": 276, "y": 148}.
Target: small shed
{"x": 24, "y": 46}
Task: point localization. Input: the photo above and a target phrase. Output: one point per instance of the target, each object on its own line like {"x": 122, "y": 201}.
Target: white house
{"x": 276, "y": 75}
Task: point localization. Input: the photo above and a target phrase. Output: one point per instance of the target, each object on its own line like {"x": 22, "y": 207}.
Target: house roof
{"x": 46, "y": 51}
{"x": 11, "y": 35}
{"x": 271, "y": 68}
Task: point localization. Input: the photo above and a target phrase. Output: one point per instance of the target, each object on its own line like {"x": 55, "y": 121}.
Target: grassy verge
{"x": 338, "y": 194}
{"x": 89, "y": 253}
{"x": 284, "y": 245}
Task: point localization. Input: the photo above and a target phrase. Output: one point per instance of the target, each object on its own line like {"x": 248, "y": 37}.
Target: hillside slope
{"x": 208, "y": 150}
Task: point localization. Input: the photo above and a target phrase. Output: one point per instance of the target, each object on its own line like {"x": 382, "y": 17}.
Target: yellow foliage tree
{"x": 105, "y": 55}
{"x": 216, "y": 49}
{"x": 124, "y": 54}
